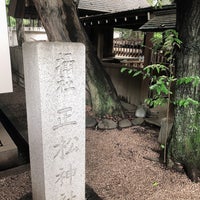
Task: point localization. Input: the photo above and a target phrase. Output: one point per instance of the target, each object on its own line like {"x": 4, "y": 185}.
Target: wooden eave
{"x": 161, "y": 21}
{"x": 132, "y": 19}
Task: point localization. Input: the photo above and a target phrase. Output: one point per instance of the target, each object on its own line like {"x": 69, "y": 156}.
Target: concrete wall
{"x": 31, "y": 34}
{"x": 17, "y": 65}
{"x": 128, "y": 88}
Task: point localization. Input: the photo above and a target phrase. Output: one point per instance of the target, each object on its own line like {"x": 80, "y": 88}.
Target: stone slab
{"x": 154, "y": 121}
{"x": 55, "y": 98}
{"x": 13, "y": 106}
{"x": 8, "y": 150}
{"x": 107, "y": 124}
{"x": 137, "y": 121}
{"x": 125, "y": 123}
{"x": 90, "y": 122}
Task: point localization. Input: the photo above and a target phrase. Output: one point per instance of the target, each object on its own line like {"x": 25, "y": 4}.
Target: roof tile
{"x": 112, "y": 5}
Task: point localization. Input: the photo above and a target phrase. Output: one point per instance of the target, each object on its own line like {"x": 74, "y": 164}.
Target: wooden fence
{"x": 128, "y": 48}
{"x": 158, "y": 57}
{"x": 132, "y": 52}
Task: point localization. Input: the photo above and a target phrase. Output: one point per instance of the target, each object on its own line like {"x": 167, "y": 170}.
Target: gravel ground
{"x": 121, "y": 165}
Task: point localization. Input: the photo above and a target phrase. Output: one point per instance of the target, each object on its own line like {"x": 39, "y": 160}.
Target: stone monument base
{"x": 8, "y": 150}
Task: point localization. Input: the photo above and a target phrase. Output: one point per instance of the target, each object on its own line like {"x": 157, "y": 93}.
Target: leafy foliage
{"x": 12, "y": 20}
{"x": 7, "y": 2}
{"x": 186, "y": 102}
{"x": 161, "y": 76}
{"x": 157, "y": 41}
{"x": 195, "y": 80}
{"x": 132, "y": 72}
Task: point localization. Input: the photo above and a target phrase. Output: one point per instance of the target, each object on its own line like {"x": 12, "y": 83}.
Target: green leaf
{"x": 196, "y": 81}
{"x": 137, "y": 73}
{"x": 130, "y": 71}
{"x": 123, "y": 69}
{"x": 164, "y": 89}
{"x": 186, "y": 102}
{"x": 162, "y": 146}
{"x": 155, "y": 184}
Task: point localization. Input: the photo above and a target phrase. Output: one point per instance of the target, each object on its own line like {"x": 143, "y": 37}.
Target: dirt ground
{"x": 120, "y": 165}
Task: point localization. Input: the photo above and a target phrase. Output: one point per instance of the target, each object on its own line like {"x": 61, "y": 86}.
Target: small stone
{"x": 125, "y": 123}
{"x": 129, "y": 107}
{"x": 90, "y": 122}
{"x": 107, "y": 124}
{"x": 137, "y": 121}
{"x": 141, "y": 111}
{"x": 153, "y": 121}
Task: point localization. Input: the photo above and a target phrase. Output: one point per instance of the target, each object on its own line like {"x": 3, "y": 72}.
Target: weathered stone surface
{"x": 90, "y": 122}
{"x": 107, "y": 124}
{"x": 166, "y": 126}
{"x": 55, "y": 98}
{"x": 137, "y": 121}
{"x": 125, "y": 123}
{"x": 129, "y": 107}
{"x": 140, "y": 112}
{"x": 14, "y": 107}
{"x": 8, "y": 150}
{"x": 154, "y": 121}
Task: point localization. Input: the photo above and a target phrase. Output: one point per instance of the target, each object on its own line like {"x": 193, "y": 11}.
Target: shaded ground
{"x": 121, "y": 165}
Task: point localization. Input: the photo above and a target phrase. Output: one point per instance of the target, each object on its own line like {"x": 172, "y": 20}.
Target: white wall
{"x": 5, "y": 67}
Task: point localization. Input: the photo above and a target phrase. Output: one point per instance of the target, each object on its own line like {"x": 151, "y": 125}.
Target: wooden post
{"x": 147, "y": 60}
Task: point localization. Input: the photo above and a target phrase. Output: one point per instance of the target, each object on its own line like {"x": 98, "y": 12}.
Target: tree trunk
{"x": 20, "y": 32}
{"x": 61, "y": 23}
{"x": 184, "y": 146}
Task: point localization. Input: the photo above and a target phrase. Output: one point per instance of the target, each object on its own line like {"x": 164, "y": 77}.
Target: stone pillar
{"x": 55, "y": 99}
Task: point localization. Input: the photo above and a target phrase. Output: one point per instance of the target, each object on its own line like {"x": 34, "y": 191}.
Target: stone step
{"x": 8, "y": 150}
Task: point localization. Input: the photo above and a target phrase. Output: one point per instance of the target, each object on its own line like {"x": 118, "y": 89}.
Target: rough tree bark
{"x": 60, "y": 20}
{"x": 20, "y": 32}
{"x": 184, "y": 146}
